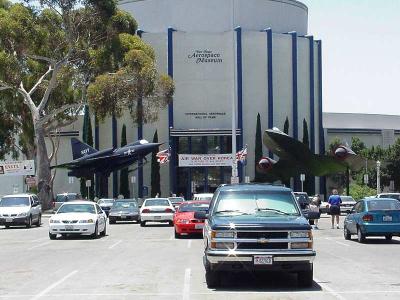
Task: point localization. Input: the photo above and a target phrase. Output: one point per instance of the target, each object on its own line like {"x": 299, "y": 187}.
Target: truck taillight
{"x": 368, "y": 218}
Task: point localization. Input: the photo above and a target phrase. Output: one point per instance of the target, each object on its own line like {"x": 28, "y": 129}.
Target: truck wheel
{"x": 346, "y": 233}
{"x": 360, "y": 236}
{"x": 52, "y": 236}
{"x": 213, "y": 279}
{"x": 388, "y": 237}
{"x": 305, "y": 278}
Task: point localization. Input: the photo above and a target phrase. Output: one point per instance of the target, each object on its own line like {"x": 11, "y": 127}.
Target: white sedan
{"x": 157, "y": 210}
{"x": 78, "y": 218}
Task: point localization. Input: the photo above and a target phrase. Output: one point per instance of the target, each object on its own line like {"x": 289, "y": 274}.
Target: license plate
{"x": 9, "y": 220}
{"x": 123, "y": 217}
{"x": 387, "y": 218}
{"x": 263, "y": 260}
{"x": 157, "y": 217}
{"x": 199, "y": 226}
{"x": 69, "y": 227}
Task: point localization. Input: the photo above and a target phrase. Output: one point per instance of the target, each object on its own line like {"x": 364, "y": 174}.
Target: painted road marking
{"x": 328, "y": 289}
{"x": 186, "y": 285}
{"x": 340, "y": 243}
{"x": 115, "y": 244}
{"x": 39, "y": 240}
{"x": 189, "y": 245}
{"x": 55, "y": 284}
{"x": 40, "y": 245}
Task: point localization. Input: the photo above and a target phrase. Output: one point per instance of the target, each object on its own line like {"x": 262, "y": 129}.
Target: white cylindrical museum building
{"x": 256, "y": 53}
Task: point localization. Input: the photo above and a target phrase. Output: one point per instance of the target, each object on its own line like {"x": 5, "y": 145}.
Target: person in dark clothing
{"x": 334, "y": 207}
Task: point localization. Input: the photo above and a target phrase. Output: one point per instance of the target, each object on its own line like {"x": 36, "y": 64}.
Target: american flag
{"x": 242, "y": 155}
{"x": 163, "y": 156}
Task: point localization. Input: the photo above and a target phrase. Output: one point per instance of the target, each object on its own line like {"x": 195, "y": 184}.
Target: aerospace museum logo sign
{"x": 206, "y": 56}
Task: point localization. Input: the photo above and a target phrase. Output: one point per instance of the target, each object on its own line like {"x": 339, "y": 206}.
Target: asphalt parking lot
{"x": 132, "y": 262}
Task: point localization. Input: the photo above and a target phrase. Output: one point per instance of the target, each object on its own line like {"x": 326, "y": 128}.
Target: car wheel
{"x": 213, "y": 279}
{"x": 388, "y": 237}
{"x": 52, "y": 236}
{"x": 171, "y": 223}
{"x": 111, "y": 221}
{"x": 311, "y": 222}
{"x": 346, "y": 233}
{"x": 142, "y": 223}
{"x": 63, "y": 235}
{"x": 360, "y": 236}
{"x": 95, "y": 235}
{"x": 7, "y": 226}
{"x": 305, "y": 278}
{"x": 39, "y": 222}
{"x": 29, "y": 225}
{"x": 104, "y": 233}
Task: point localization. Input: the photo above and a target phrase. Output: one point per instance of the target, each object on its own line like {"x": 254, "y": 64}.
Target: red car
{"x": 184, "y": 221}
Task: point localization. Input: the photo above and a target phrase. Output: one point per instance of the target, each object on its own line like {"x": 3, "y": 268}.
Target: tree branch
{"x": 40, "y": 81}
{"x": 54, "y": 113}
{"x": 44, "y": 58}
{"x": 27, "y": 99}
{"x": 4, "y": 86}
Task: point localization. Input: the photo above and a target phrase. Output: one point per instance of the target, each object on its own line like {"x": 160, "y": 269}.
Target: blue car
{"x": 373, "y": 217}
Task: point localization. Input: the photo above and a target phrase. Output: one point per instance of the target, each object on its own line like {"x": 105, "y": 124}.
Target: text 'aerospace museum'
{"x": 257, "y": 53}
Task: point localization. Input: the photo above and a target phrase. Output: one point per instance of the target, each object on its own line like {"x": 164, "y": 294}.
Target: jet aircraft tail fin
{"x": 80, "y": 149}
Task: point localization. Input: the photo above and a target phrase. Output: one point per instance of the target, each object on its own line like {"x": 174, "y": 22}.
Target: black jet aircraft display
{"x": 88, "y": 161}
{"x": 296, "y": 158}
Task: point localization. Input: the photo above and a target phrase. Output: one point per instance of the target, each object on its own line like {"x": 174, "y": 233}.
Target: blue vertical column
{"x": 312, "y": 104}
{"x": 115, "y": 145}
{"x": 295, "y": 96}
{"x": 320, "y": 125}
{"x": 140, "y": 137}
{"x": 172, "y": 165}
{"x": 239, "y": 68}
{"x": 270, "y": 78}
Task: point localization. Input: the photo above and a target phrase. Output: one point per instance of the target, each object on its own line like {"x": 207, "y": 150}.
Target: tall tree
{"x": 155, "y": 171}
{"x": 258, "y": 151}
{"x": 87, "y": 137}
{"x": 306, "y": 138}
{"x": 286, "y": 126}
{"x": 124, "y": 173}
{"x": 309, "y": 186}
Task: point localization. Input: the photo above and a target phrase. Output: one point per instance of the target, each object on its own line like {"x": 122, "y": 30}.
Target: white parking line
{"x": 38, "y": 240}
{"x": 172, "y": 237}
{"x": 186, "y": 285}
{"x": 55, "y": 284}
{"x": 37, "y": 246}
{"x": 328, "y": 289}
{"x": 189, "y": 245}
{"x": 340, "y": 243}
{"x": 115, "y": 244}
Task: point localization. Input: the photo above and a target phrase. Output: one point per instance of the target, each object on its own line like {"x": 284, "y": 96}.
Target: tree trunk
{"x": 43, "y": 168}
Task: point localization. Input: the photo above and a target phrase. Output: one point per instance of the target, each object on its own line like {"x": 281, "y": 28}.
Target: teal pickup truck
{"x": 256, "y": 228}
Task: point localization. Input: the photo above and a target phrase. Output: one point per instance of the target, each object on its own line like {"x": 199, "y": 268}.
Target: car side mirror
{"x": 312, "y": 215}
{"x": 200, "y": 215}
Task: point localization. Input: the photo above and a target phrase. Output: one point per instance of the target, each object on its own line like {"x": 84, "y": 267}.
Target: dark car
{"x": 106, "y": 205}
{"x": 256, "y": 227}
{"x": 124, "y": 210}
{"x": 304, "y": 202}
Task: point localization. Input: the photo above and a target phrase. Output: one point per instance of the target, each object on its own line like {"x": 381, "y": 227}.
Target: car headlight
{"x": 54, "y": 221}
{"x": 222, "y": 246}
{"x": 24, "y": 214}
{"x": 300, "y": 234}
{"x": 90, "y": 221}
{"x": 222, "y": 234}
{"x": 180, "y": 221}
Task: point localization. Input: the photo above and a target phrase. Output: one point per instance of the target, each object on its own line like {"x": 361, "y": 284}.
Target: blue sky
{"x": 361, "y": 51}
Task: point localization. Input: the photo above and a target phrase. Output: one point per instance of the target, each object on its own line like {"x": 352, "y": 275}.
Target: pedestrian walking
{"x": 334, "y": 207}
{"x": 314, "y": 207}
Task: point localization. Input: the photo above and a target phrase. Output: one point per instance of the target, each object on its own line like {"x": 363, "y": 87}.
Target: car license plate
{"x": 263, "y": 260}
{"x": 123, "y": 217}
{"x": 9, "y": 220}
{"x": 157, "y": 217}
{"x": 199, "y": 226}
{"x": 387, "y": 218}
{"x": 69, "y": 227}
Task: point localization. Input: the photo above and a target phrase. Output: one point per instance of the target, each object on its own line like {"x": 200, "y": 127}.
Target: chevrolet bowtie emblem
{"x": 262, "y": 241}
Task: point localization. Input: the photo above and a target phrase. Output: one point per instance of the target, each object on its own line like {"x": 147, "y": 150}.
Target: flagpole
{"x": 234, "y": 178}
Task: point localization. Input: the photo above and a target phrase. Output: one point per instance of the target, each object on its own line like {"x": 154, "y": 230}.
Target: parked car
{"x": 21, "y": 209}
{"x": 256, "y": 227}
{"x": 184, "y": 221}
{"x": 78, "y": 218}
{"x": 106, "y": 204}
{"x": 347, "y": 204}
{"x": 157, "y": 210}
{"x": 65, "y": 197}
{"x": 176, "y": 201}
{"x": 124, "y": 210}
{"x": 373, "y": 217}
{"x": 203, "y": 197}
{"x": 389, "y": 195}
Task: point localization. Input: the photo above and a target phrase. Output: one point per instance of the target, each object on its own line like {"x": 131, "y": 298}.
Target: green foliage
{"x": 87, "y": 137}
{"x": 361, "y": 191}
{"x": 286, "y": 126}
{"x": 124, "y": 173}
{"x": 306, "y": 139}
{"x": 155, "y": 170}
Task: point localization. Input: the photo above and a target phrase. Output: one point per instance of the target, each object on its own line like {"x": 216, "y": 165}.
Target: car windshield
{"x": 14, "y": 201}
{"x": 176, "y": 199}
{"x": 76, "y": 208}
{"x": 157, "y": 202}
{"x": 194, "y": 207}
{"x": 262, "y": 203}
{"x": 392, "y": 196}
{"x": 383, "y": 205}
{"x": 124, "y": 205}
{"x": 66, "y": 197}
{"x": 106, "y": 201}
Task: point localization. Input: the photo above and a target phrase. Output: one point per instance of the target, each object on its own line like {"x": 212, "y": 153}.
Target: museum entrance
{"x": 192, "y": 180}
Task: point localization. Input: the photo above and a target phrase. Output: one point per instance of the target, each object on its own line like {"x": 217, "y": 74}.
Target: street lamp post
{"x": 378, "y": 177}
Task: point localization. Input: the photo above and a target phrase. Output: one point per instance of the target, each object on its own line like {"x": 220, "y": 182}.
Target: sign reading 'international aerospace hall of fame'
{"x": 17, "y": 168}
{"x": 205, "y": 160}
